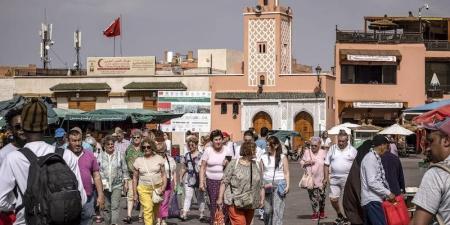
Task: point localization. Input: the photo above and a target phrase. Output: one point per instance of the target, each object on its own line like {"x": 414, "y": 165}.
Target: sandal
{"x": 127, "y": 220}
{"x": 141, "y": 220}
{"x": 98, "y": 219}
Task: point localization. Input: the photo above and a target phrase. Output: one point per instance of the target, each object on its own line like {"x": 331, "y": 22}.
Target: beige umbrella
{"x": 396, "y": 129}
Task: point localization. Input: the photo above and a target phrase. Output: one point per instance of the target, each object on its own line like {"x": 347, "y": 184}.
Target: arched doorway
{"x": 262, "y": 119}
{"x": 304, "y": 124}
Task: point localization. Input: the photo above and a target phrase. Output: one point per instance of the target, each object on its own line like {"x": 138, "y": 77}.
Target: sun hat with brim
{"x": 443, "y": 126}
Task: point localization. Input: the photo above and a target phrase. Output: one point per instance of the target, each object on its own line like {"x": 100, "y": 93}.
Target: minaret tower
{"x": 267, "y": 42}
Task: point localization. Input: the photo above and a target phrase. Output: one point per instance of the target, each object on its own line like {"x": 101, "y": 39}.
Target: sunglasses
{"x": 314, "y": 146}
{"x": 136, "y": 137}
{"x": 146, "y": 147}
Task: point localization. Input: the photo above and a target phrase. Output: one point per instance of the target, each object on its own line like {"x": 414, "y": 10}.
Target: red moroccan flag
{"x": 113, "y": 29}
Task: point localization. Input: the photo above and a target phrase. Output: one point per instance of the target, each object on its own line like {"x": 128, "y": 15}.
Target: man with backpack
{"x": 433, "y": 197}
{"x": 47, "y": 180}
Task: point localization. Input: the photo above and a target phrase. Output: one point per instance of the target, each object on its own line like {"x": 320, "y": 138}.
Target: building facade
{"x": 268, "y": 94}
{"x": 389, "y": 66}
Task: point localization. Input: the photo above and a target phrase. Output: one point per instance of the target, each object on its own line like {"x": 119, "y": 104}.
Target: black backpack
{"x": 52, "y": 196}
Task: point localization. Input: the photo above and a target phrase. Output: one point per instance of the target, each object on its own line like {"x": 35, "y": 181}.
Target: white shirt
{"x": 169, "y": 146}
{"x": 5, "y": 151}
{"x": 340, "y": 161}
{"x": 15, "y": 169}
{"x": 259, "y": 152}
{"x": 173, "y": 167}
{"x": 325, "y": 143}
{"x": 269, "y": 166}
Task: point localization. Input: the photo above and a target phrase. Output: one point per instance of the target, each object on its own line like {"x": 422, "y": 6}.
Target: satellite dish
{"x": 258, "y": 9}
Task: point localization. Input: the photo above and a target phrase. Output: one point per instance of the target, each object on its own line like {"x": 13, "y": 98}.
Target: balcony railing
{"x": 437, "y": 45}
{"x": 370, "y": 37}
{"x": 438, "y": 92}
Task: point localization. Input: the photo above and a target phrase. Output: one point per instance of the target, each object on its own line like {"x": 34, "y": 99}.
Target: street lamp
{"x": 319, "y": 80}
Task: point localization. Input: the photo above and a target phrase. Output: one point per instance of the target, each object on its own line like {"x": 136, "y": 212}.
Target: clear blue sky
{"x": 151, "y": 26}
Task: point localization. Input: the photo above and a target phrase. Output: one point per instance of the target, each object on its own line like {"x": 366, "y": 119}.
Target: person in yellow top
{"x": 149, "y": 172}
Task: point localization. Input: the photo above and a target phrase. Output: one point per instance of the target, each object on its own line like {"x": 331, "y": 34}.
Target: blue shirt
{"x": 261, "y": 143}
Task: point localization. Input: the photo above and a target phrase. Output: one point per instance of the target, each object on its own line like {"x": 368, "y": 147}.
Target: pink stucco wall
{"x": 410, "y": 87}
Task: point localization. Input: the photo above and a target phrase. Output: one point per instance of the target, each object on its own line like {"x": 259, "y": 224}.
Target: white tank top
{"x": 269, "y": 165}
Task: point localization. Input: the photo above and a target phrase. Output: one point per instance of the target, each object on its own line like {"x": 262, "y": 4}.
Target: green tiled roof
{"x": 267, "y": 95}
{"x": 61, "y": 87}
{"x": 155, "y": 86}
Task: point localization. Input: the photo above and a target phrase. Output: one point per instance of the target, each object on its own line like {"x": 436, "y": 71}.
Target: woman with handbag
{"x": 213, "y": 163}
{"x": 312, "y": 163}
{"x": 149, "y": 172}
{"x": 241, "y": 188}
{"x": 276, "y": 181}
{"x": 170, "y": 165}
{"x": 190, "y": 176}
{"x": 114, "y": 174}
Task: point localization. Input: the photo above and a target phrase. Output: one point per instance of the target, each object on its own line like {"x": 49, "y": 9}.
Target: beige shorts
{"x": 337, "y": 187}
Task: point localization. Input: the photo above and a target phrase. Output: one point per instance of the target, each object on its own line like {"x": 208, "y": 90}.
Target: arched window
{"x": 235, "y": 108}
{"x": 262, "y": 79}
{"x": 223, "y": 108}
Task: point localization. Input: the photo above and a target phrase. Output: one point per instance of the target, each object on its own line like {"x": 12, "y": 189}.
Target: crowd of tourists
{"x": 80, "y": 180}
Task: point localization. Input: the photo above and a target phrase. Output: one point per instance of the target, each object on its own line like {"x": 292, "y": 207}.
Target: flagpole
{"x": 121, "y": 33}
{"x": 114, "y": 48}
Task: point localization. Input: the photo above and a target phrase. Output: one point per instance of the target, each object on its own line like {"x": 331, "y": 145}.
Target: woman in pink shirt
{"x": 312, "y": 161}
{"x": 213, "y": 163}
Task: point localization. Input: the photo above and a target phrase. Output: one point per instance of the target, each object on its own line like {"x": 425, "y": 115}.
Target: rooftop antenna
{"x": 46, "y": 41}
{"x": 77, "y": 46}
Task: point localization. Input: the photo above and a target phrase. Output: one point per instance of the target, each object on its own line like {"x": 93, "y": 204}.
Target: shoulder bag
{"x": 307, "y": 181}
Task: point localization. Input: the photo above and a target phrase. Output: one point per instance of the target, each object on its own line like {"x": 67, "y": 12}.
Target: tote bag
{"x": 219, "y": 218}
{"x": 307, "y": 181}
{"x": 396, "y": 213}
{"x": 174, "y": 209}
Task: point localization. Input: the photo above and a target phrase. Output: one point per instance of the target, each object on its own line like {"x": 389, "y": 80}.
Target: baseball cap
{"x": 77, "y": 129}
{"x": 59, "y": 133}
{"x": 378, "y": 140}
{"x": 225, "y": 134}
{"x": 443, "y": 126}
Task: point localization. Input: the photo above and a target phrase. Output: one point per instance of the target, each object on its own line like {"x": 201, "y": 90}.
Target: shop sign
{"x": 378, "y": 105}
{"x": 372, "y": 58}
